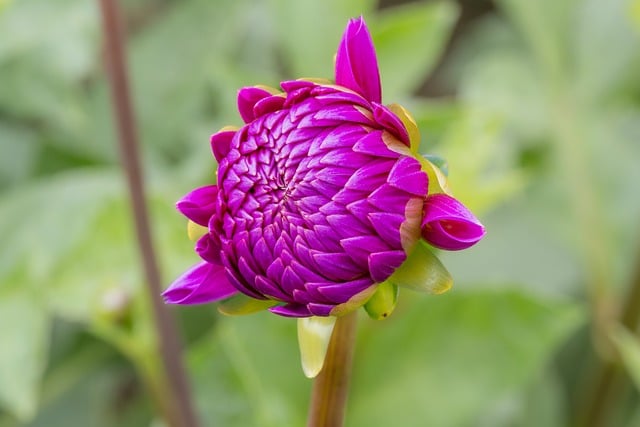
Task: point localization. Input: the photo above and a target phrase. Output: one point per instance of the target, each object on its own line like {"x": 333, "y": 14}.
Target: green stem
{"x": 331, "y": 386}
{"x": 575, "y": 162}
{"x": 602, "y": 380}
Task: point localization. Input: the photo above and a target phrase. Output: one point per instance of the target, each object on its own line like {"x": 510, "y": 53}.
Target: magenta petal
{"x": 356, "y": 63}
{"x": 391, "y": 122}
{"x": 200, "y": 204}
{"x": 268, "y": 105}
{"x": 407, "y": 175}
{"x": 320, "y": 309}
{"x": 448, "y": 224}
{"x": 208, "y": 249}
{"x": 248, "y": 97}
{"x": 291, "y": 310}
{"x": 343, "y": 292}
{"x": 221, "y": 143}
{"x": 200, "y": 284}
{"x": 383, "y": 264}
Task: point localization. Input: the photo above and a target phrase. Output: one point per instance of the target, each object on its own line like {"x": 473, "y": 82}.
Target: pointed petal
{"x": 200, "y": 204}
{"x": 314, "y": 334}
{"x": 356, "y": 64}
{"x": 291, "y": 310}
{"x": 383, "y": 264}
{"x": 448, "y": 224}
{"x": 422, "y": 271}
{"x": 221, "y": 142}
{"x": 384, "y": 116}
{"x": 248, "y": 97}
{"x": 200, "y": 284}
{"x": 407, "y": 175}
{"x": 343, "y": 292}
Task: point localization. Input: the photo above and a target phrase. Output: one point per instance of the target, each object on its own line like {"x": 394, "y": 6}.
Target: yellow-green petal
{"x": 437, "y": 180}
{"x": 316, "y": 80}
{"x": 383, "y": 302}
{"x": 422, "y": 271}
{"x": 410, "y": 123}
{"x": 195, "y": 231}
{"x": 241, "y": 304}
{"x": 314, "y": 334}
{"x": 354, "y": 302}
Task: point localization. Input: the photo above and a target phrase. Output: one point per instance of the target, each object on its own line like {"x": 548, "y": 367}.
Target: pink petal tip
{"x": 356, "y": 63}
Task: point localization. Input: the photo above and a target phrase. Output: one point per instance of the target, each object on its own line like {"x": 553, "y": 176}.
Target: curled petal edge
{"x": 202, "y": 283}
{"x": 199, "y": 205}
{"x": 449, "y": 225}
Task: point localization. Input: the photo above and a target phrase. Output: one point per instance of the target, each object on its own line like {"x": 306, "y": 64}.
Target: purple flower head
{"x": 320, "y": 197}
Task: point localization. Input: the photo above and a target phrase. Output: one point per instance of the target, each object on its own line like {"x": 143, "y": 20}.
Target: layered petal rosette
{"x": 322, "y": 203}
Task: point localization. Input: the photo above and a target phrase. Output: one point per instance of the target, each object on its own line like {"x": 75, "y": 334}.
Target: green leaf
{"x": 545, "y": 25}
{"x": 25, "y": 340}
{"x": 601, "y": 69}
{"x": 19, "y": 152}
{"x": 442, "y": 361}
{"x": 247, "y": 373}
{"x": 310, "y": 31}
{"x": 628, "y": 345}
{"x": 409, "y": 41}
{"x": 635, "y": 13}
{"x": 483, "y": 171}
{"x": 42, "y": 221}
{"x": 47, "y": 74}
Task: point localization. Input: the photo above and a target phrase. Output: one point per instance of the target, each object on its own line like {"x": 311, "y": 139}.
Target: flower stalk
{"x": 178, "y": 410}
{"x": 331, "y": 386}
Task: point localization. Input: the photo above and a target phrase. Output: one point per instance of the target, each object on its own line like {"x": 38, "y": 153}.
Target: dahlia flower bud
{"x": 320, "y": 199}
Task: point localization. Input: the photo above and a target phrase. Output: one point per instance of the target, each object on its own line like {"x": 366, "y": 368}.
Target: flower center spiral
{"x": 306, "y": 216}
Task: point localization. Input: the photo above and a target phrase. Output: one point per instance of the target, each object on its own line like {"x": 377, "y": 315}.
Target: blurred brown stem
{"x": 177, "y": 408}
{"x": 606, "y": 382}
{"x": 331, "y": 386}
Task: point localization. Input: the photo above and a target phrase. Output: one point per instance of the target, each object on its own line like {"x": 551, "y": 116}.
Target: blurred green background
{"x": 535, "y": 104}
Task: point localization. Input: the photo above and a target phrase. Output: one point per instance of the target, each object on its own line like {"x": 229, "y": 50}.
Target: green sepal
{"x": 439, "y": 162}
{"x": 422, "y": 271}
{"x": 383, "y": 302}
{"x": 437, "y": 178}
{"x": 314, "y": 334}
{"x": 354, "y": 303}
{"x": 241, "y": 304}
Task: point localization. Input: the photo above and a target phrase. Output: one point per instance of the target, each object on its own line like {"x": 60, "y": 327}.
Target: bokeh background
{"x": 535, "y": 105}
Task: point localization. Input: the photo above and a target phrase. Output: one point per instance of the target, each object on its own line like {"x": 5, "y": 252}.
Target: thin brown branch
{"x": 331, "y": 387}
{"x": 178, "y": 409}
{"x": 607, "y": 380}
